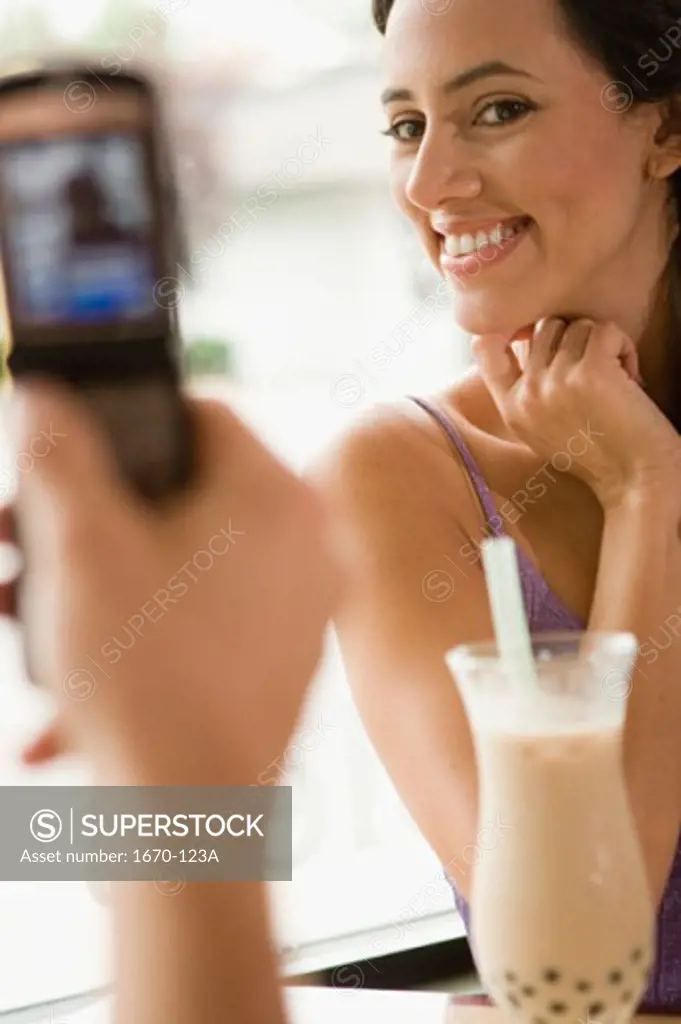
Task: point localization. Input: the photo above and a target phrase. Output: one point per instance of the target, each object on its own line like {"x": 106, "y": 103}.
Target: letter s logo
{"x": 46, "y": 826}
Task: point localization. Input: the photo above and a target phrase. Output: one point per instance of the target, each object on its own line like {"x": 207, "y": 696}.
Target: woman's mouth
{"x": 469, "y": 253}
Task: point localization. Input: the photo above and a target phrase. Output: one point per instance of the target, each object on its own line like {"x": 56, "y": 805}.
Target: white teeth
{"x": 466, "y": 245}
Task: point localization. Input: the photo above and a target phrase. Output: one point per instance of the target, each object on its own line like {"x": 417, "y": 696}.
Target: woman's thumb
{"x": 60, "y": 449}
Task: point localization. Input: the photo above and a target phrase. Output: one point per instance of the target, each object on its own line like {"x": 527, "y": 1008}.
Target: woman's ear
{"x": 665, "y": 160}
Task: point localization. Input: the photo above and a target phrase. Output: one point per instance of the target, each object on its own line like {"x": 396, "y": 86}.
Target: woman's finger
{"x": 8, "y": 525}
{"x": 544, "y": 343}
{"x": 499, "y": 365}
{"x": 8, "y": 599}
{"x": 46, "y": 747}
{"x": 574, "y": 343}
{"x": 9, "y": 587}
{"x": 629, "y": 360}
{"x": 606, "y": 343}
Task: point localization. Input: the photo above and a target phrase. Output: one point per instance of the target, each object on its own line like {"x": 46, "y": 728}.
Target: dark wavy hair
{"x": 638, "y": 43}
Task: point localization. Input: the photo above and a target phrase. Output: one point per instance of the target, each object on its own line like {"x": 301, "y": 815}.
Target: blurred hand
{"x": 50, "y": 743}
{"x": 579, "y": 391}
{"x": 46, "y": 747}
{"x": 196, "y": 627}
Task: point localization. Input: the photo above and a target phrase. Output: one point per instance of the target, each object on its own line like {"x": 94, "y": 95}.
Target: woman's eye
{"x": 405, "y": 131}
{"x": 503, "y": 112}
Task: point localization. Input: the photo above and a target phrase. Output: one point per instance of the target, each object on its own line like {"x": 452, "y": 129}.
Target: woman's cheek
{"x": 399, "y": 181}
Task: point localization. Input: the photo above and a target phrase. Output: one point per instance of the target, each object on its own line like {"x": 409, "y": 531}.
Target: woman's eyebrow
{"x": 486, "y": 70}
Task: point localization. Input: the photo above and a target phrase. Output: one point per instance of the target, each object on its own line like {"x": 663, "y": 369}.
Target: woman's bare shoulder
{"x": 396, "y": 461}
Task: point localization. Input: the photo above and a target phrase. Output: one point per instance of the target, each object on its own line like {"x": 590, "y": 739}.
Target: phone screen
{"x": 79, "y": 229}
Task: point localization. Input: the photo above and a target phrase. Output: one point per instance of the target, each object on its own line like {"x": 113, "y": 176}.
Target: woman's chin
{"x": 484, "y": 319}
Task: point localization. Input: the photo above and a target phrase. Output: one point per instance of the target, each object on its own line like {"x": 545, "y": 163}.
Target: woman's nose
{"x": 443, "y": 170}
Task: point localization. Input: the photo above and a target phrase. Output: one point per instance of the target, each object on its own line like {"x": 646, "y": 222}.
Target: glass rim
{"x": 607, "y": 642}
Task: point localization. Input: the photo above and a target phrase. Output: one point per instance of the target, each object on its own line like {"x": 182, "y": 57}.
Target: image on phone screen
{"x": 78, "y": 223}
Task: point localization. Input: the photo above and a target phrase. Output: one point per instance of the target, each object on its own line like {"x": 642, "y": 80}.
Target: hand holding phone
{"x": 89, "y": 232}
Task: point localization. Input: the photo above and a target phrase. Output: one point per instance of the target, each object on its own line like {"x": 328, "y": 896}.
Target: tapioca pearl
{"x": 551, "y": 975}
{"x": 627, "y": 997}
{"x": 511, "y": 977}
{"x": 595, "y": 1009}
{"x": 583, "y": 986}
{"x": 615, "y": 977}
{"x": 529, "y": 991}
{"x": 636, "y": 955}
{"x": 558, "y": 1007}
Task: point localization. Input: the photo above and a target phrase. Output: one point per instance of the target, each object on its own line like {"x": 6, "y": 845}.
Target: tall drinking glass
{"x": 562, "y": 920}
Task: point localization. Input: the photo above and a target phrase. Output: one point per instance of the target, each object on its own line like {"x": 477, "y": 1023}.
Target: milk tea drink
{"x": 562, "y": 921}
{"x": 561, "y": 913}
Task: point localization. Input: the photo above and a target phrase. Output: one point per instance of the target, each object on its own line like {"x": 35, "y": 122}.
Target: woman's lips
{"x": 491, "y": 248}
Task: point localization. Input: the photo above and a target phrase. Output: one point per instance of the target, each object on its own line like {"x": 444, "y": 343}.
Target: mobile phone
{"x": 89, "y": 235}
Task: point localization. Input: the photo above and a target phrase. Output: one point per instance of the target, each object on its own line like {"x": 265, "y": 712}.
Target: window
{"x": 303, "y": 280}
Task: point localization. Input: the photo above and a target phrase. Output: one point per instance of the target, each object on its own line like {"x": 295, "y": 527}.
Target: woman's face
{"x": 510, "y": 144}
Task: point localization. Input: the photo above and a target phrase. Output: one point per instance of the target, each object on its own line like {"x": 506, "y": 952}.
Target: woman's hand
{"x": 51, "y": 742}
{"x": 578, "y": 393}
{"x": 49, "y": 745}
{"x": 235, "y": 580}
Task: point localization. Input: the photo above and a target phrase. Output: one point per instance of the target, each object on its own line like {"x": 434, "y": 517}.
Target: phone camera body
{"x": 90, "y": 235}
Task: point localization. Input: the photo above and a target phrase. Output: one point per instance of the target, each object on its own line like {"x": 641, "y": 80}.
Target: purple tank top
{"x": 545, "y": 612}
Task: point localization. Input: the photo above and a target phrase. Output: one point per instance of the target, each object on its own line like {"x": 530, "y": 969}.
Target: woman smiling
{"x": 538, "y": 161}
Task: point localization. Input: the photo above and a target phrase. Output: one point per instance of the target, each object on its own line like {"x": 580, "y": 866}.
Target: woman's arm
{"x": 585, "y": 375}
{"x": 638, "y": 588}
{"x": 203, "y": 955}
{"x": 416, "y": 589}
{"x": 206, "y": 953}
{"x": 208, "y": 696}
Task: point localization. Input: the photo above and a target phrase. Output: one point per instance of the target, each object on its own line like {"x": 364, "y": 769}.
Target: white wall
{"x": 313, "y": 291}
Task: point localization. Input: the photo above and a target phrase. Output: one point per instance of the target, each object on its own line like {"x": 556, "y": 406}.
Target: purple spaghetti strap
{"x": 494, "y": 520}
{"x": 544, "y": 610}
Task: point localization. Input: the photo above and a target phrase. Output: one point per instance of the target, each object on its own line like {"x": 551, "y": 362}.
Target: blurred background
{"x": 306, "y": 302}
